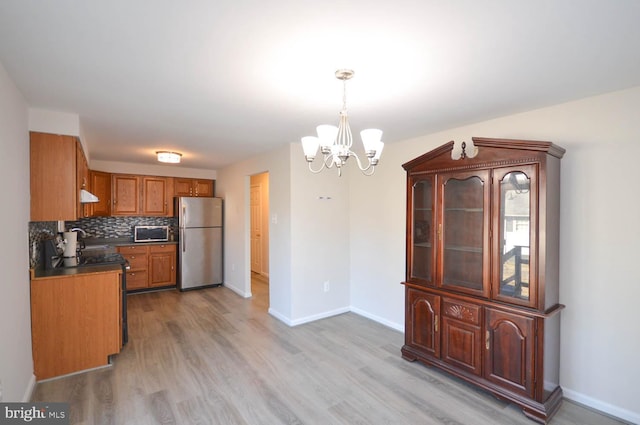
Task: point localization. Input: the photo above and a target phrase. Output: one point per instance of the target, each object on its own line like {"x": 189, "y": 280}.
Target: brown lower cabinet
{"x": 75, "y": 322}
{"x": 150, "y": 265}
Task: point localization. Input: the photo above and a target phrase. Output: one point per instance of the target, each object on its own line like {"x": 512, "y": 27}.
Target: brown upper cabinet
{"x": 125, "y": 189}
{"x": 193, "y": 187}
{"x": 58, "y": 170}
{"x": 142, "y": 195}
{"x": 155, "y": 196}
{"x": 100, "y": 185}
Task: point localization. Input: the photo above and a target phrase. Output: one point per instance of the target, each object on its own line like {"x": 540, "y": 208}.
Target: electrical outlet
{"x": 326, "y": 286}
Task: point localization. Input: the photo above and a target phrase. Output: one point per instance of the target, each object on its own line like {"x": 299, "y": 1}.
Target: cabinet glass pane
{"x": 421, "y": 266}
{"x": 462, "y": 232}
{"x": 515, "y": 215}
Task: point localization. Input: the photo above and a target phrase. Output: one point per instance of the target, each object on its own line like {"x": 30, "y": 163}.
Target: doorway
{"x": 259, "y": 234}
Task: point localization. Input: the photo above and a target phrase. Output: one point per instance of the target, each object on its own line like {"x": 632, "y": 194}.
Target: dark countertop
{"x": 102, "y": 245}
{"x": 122, "y": 242}
{"x": 41, "y": 273}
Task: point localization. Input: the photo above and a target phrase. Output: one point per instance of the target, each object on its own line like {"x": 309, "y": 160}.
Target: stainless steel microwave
{"x": 150, "y": 233}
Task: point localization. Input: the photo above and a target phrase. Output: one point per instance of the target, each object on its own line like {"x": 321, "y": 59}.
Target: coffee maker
{"x": 52, "y": 253}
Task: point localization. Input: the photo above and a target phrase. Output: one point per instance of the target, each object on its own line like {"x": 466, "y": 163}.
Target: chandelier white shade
{"x": 335, "y": 142}
{"x": 169, "y": 157}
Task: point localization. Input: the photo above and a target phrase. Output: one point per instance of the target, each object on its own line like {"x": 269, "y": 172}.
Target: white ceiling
{"x": 227, "y": 79}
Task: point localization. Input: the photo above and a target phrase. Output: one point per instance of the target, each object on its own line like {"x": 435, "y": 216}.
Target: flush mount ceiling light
{"x": 169, "y": 157}
{"x": 335, "y": 142}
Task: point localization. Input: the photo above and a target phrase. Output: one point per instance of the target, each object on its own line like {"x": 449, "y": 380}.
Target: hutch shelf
{"x": 482, "y": 268}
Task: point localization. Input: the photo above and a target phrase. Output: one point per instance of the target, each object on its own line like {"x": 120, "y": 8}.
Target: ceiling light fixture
{"x": 169, "y": 157}
{"x": 335, "y": 142}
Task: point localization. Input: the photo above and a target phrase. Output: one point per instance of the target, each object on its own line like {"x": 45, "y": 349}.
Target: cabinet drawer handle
{"x": 486, "y": 340}
{"x": 133, "y": 256}
{"x": 436, "y": 323}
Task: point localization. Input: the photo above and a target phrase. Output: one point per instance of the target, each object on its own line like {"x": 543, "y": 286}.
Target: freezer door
{"x": 200, "y": 257}
{"x": 199, "y": 212}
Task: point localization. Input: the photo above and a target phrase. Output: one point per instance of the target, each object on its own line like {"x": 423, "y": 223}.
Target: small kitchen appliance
{"x": 70, "y": 244}
{"x": 151, "y": 233}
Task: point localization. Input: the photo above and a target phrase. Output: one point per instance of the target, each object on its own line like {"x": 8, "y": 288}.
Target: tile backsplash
{"x": 118, "y": 227}
{"x": 95, "y": 227}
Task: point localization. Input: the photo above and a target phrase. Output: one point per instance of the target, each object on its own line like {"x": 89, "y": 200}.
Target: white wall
{"x": 599, "y": 238}
{"x": 232, "y": 184}
{"x": 308, "y": 243}
{"x": 16, "y": 364}
{"x": 320, "y": 240}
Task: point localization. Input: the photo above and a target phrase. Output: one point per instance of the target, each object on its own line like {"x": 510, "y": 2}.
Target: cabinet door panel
{"x": 515, "y": 199}
{"x": 100, "y": 184}
{"x": 154, "y": 196}
{"x": 421, "y": 226}
{"x": 464, "y": 232}
{"x": 509, "y": 344}
{"x": 462, "y": 345}
{"x": 54, "y": 195}
{"x": 203, "y": 188}
{"x": 423, "y": 311}
{"x": 183, "y": 187}
{"x": 126, "y": 194}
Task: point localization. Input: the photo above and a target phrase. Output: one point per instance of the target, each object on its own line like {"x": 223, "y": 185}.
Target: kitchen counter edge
{"x": 36, "y": 274}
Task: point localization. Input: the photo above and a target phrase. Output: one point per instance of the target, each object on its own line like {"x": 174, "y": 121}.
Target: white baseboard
{"x": 601, "y": 406}
{"x": 238, "y": 291}
{"x": 31, "y": 386}
{"x": 281, "y": 317}
{"x": 308, "y": 319}
{"x": 392, "y": 325}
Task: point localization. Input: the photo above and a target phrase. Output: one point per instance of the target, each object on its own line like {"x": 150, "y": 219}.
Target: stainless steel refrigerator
{"x": 200, "y": 242}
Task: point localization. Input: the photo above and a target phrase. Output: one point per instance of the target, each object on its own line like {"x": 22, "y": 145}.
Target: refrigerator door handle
{"x": 183, "y": 236}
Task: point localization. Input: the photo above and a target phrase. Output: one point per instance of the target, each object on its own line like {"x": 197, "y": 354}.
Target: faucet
{"x": 77, "y": 229}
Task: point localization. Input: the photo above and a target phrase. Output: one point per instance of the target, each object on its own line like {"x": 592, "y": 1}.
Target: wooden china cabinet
{"x": 482, "y": 268}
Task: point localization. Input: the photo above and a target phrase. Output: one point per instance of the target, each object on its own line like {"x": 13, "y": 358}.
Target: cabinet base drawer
{"x": 136, "y": 279}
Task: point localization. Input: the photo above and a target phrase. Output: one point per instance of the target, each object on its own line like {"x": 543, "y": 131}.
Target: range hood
{"x": 87, "y": 197}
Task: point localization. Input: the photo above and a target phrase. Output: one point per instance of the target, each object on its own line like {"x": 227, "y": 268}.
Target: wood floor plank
{"x": 211, "y": 357}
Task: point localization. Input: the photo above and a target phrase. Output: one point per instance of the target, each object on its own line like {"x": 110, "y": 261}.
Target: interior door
{"x": 256, "y": 228}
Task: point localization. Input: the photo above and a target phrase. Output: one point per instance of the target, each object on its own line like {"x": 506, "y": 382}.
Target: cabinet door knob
{"x": 487, "y": 339}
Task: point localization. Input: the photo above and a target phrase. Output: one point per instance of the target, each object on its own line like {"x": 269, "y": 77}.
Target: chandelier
{"x": 335, "y": 142}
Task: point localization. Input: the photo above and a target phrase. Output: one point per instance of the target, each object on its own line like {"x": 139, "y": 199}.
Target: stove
{"x": 103, "y": 259}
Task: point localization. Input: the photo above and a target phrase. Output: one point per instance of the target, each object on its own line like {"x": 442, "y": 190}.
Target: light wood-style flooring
{"x": 211, "y": 357}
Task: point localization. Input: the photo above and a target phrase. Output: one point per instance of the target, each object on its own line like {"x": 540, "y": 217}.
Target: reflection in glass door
{"x": 514, "y": 239}
{"x": 422, "y": 249}
{"x": 464, "y": 229}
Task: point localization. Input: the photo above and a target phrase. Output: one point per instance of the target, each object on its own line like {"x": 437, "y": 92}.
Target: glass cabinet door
{"x": 463, "y": 232}
{"x": 515, "y": 190}
{"x": 422, "y": 249}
